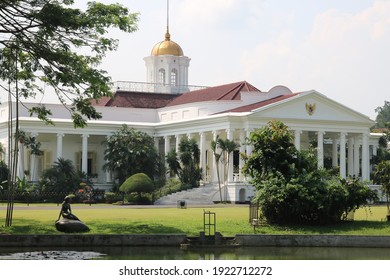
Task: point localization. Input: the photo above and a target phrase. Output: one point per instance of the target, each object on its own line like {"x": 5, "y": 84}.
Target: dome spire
{"x": 167, "y": 35}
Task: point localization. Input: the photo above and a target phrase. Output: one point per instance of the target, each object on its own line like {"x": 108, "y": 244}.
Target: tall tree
{"x": 383, "y": 115}
{"x": 273, "y": 152}
{"x": 52, "y": 42}
{"x": 49, "y": 42}
{"x": 130, "y": 151}
{"x": 382, "y": 175}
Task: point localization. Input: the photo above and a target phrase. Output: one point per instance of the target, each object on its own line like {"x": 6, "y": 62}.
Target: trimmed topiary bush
{"x": 137, "y": 183}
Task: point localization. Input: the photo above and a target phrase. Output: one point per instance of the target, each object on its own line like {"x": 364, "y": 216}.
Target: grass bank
{"x": 230, "y": 220}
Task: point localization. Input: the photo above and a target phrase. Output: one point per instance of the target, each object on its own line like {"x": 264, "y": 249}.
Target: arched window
{"x": 174, "y": 77}
{"x": 161, "y": 76}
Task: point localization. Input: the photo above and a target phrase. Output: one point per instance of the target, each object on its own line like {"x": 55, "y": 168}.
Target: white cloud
{"x": 345, "y": 56}
{"x": 204, "y": 11}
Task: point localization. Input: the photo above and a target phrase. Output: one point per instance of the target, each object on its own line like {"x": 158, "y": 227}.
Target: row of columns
{"x": 339, "y": 145}
{"x": 59, "y": 154}
{"x": 202, "y": 136}
{"x": 349, "y": 164}
{"x": 353, "y": 153}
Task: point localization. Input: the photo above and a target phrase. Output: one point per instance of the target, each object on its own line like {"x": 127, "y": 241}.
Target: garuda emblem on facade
{"x": 310, "y": 108}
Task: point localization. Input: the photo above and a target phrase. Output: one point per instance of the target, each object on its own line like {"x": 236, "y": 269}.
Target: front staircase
{"x": 204, "y": 195}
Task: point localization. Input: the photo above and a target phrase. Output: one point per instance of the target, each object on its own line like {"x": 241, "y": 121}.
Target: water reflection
{"x": 173, "y": 253}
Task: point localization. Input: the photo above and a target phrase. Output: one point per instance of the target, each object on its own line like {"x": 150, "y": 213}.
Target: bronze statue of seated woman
{"x": 66, "y": 211}
{"x": 69, "y": 222}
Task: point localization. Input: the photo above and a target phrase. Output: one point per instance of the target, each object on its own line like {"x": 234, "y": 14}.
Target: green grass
{"x": 230, "y": 220}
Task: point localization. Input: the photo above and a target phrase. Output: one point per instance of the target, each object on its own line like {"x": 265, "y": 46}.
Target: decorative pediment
{"x": 311, "y": 106}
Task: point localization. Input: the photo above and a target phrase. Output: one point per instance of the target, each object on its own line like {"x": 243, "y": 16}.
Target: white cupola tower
{"x": 167, "y": 67}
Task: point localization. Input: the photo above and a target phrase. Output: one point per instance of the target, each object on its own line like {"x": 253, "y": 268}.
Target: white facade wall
{"x": 193, "y": 119}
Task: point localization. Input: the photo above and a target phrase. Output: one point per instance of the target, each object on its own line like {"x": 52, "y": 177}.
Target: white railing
{"x": 153, "y": 87}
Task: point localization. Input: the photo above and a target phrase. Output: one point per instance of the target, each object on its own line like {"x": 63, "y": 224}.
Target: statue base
{"x": 71, "y": 226}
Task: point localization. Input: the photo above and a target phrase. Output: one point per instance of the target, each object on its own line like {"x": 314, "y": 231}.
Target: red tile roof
{"x": 223, "y": 92}
{"x": 131, "y": 99}
{"x": 257, "y": 105}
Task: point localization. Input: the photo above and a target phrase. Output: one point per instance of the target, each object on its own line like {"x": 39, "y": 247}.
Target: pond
{"x": 174, "y": 253}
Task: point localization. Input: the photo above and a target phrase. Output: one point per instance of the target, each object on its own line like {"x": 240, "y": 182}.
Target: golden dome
{"x": 167, "y": 47}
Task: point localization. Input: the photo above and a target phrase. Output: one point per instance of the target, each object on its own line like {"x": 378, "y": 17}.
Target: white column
{"x": 356, "y": 157}
{"x": 249, "y": 148}
{"x": 202, "y": 149}
{"x": 108, "y": 177}
{"x": 242, "y": 151}
{"x": 320, "y": 148}
{"x": 20, "y": 160}
{"x": 343, "y": 155}
{"x": 229, "y": 136}
{"x": 335, "y": 159}
{"x": 374, "y": 150}
{"x": 33, "y": 161}
{"x": 214, "y": 175}
{"x": 157, "y": 144}
{"x": 297, "y": 139}
{"x": 59, "y": 144}
{"x": 351, "y": 142}
{"x": 167, "y": 144}
{"x": 84, "y": 154}
{"x": 108, "y": 172}
{"x": 178, "y": 137}
{"x": 365, "y": 158}
{"x": 167, "y": 147}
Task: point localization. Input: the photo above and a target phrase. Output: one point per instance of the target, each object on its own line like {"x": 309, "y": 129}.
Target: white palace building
{"x": 167, "y": 108}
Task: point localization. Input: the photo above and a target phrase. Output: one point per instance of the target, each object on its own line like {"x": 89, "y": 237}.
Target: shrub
{"x": 138, "y": 183}
{"x": 290, "y": 187}
{"x": 111, "y": 197}
{"x": 172, "y": 185}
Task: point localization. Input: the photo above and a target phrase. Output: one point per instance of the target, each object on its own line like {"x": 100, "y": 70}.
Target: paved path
{"x": 3, "y": 206}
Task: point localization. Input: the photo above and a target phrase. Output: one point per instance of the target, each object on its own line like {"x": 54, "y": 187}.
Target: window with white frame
{"x": 161, "y": 76}
{"x": 174, "y": 77}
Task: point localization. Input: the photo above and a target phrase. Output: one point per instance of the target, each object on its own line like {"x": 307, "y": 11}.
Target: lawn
{"x": 230, "y": 220}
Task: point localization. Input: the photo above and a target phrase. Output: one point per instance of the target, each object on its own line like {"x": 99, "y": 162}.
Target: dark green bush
{"x": 137, "y": 183}
{"x": 290, "y": 187}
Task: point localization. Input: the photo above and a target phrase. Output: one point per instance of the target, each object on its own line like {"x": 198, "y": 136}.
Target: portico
{"x": 334, "y": 149}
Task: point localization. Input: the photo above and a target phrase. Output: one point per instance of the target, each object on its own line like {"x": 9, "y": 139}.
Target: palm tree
{"x": 185, "y": 162}
{"x": 227, "y": 146}
{"x": 174, "y": 164}
{"x": 65, "y": 166}
{"x": 61, "y": 177}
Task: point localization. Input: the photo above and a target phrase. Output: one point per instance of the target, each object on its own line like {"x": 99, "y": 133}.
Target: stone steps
{"x": 203, "y": 195}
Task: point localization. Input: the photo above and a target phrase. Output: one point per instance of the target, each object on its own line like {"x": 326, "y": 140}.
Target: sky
{"x": 339, "y": 48}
